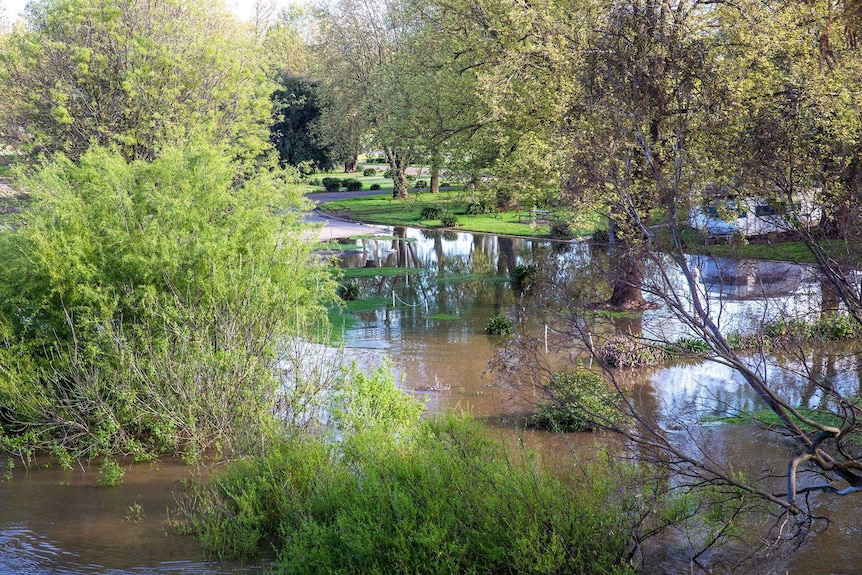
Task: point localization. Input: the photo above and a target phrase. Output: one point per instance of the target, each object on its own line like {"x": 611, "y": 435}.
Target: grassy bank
{"x": 383, "y": 209}
{"x": 841, "y": 251}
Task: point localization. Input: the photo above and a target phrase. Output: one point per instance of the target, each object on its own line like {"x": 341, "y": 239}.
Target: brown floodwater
{"x": 54, "y": 520}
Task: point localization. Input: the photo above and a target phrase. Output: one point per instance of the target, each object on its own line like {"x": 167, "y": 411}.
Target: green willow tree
{"x": 131, "y": 74}
{"x": 145, "y": 305}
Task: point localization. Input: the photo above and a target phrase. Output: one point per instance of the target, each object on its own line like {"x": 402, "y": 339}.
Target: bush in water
{"x": 136, "y": 296}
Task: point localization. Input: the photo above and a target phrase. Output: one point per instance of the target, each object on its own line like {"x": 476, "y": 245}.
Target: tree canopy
{"x": 131, "y": 74}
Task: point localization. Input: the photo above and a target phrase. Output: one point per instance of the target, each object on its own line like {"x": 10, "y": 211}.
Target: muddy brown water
{"x": 57, "y": 521}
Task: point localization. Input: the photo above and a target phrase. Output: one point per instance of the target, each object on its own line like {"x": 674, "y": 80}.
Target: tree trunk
{"x": 435, "y": 176}
{"x": 626, "y": 273}
{"x": 398, "y": 165}
{"x": 351, "y": 165}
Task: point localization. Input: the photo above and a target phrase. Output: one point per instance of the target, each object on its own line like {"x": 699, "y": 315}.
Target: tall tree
{"x": 131, "y": 74}
{"x": 363, "y": 87}
{"x": 297, "y": 110}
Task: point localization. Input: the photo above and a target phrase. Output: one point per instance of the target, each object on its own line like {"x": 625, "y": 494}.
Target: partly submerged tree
{"x": 131, "y": 74}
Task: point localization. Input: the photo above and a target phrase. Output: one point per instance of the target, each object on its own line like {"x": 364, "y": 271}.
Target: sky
{"x": 242, "y": 8}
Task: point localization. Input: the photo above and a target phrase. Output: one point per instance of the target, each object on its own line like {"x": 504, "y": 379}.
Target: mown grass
{"x": 695, "y": 242}
{"x": 383, "y": 209}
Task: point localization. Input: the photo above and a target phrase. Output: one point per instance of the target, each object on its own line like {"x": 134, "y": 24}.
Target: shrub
{"x": 561, "y": 230}
{"x": 110, "y": 473}
{"x": 581, "y": 401}
{"x": 348, "y": 291}
{"x": 431, "y": 212}
{"x": 448, "y": 220}
{"x": 454, "y": 502}
{"x": 523, "y": 276}
{"x": 421, "y": 184}
{"x": 352, "y": 185}
{"x": 622, "y": 352}
{"x": 479, "y": 206}
{"x": 688, "y": 346}
{"x": 387, "y": 174}
{"x": 139, "y": 293}
{"x": 315, "y": 182}
{"x": 499, "y": 325}
{"x": 374, "y": 187}
{"x": 331, "y": 184}
{"x": 369, "y": 172}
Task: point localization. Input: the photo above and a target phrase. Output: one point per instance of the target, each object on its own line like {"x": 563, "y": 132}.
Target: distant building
{"x": 724, "y": 215}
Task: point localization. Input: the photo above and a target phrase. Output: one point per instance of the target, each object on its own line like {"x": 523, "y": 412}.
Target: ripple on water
{"x": 25, "y": 552}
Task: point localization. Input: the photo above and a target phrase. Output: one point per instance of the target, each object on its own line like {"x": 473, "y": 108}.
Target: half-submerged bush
{"x": 448, "y": 501}
{"x": 499, "y": 325}
{"x": 348, "y": 291}
{"x": 580, "y": 401}
{"x": 628, "y": 351}
{"x": 523, "y": 276}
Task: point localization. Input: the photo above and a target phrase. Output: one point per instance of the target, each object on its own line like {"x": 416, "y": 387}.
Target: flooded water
{"x": 57, "y": 521}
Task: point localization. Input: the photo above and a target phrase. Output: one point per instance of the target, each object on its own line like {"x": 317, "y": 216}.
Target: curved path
{"x": 333, "y": 228}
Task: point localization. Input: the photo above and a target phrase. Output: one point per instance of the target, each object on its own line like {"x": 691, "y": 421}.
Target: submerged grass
{"x": 354, "y": 273}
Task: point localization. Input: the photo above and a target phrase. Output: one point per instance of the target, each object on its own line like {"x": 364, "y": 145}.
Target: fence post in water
{"x": 546, "y": 339}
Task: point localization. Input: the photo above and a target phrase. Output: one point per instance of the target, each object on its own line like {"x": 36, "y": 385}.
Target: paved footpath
{"x": 334, "y": 228}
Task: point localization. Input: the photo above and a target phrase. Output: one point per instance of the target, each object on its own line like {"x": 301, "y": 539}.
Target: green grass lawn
{"x": 383, "y": 209}
{"x": 790, "y": 251}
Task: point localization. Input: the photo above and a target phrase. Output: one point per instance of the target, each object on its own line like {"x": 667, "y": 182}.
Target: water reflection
{"x": 55, "y": 521}
{"x": 447, "y": 359}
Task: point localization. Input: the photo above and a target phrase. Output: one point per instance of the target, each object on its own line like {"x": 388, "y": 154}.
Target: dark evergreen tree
{"x": 297, "y": 108}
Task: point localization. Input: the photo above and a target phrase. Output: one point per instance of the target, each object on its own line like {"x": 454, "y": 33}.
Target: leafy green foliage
{"x": 448, "y": 220}
{"x": 133, "y": 75}
{"x": 833, "y": 326}
{"x": 351, "y": 185}
{"x": 499, "y": 325}
{"x": 431, "y": 212}
{"x": 144, "y": 302}
{"x": 297, "y": 108}
{"x": 331, "y": 184}
{"x": 110, "y": 473}
{"x": 581, "y": 401}
{"x": 522, "y": 277}
{"x": 369, "y": 172}
{"x": 448, "y": 501}
{"x": 348, "y": 291}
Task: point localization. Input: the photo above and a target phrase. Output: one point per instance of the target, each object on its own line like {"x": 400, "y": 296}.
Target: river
{"x": 57, "y": 521}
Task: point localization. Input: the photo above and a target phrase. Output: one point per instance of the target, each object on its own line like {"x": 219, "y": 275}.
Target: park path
{"x": 333, "y": 228}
